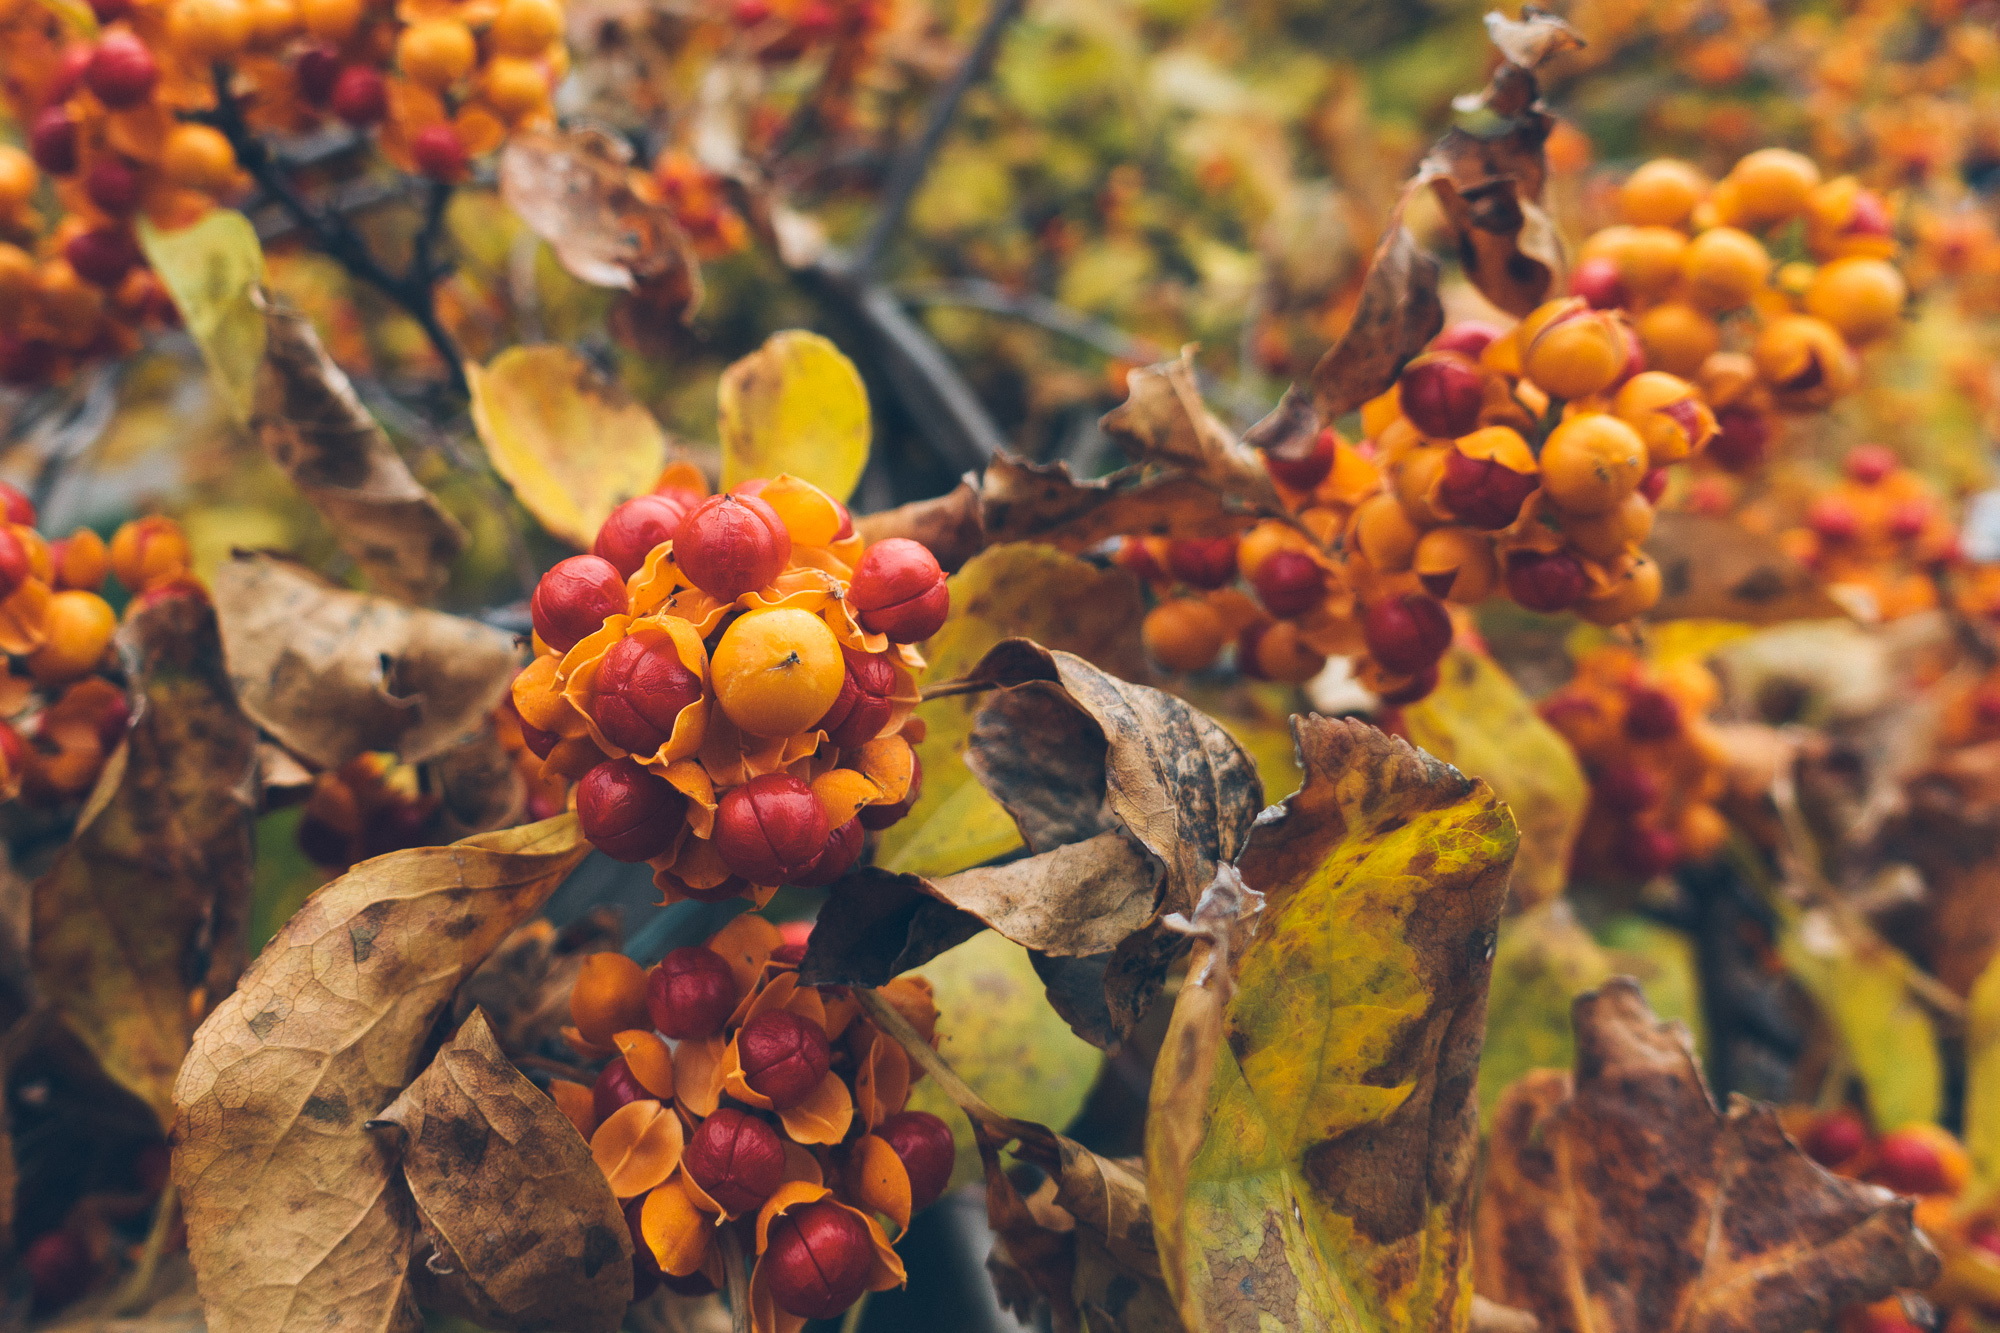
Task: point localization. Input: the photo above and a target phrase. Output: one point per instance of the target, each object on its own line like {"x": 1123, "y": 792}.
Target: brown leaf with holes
{"x": 1619, "y": 1200}
{"x": 1398, "y": 313}
{"x": 1164, "y": 423}
{"x": 332, "y": 674}
{"x": 1950, "y": 831}
{"x": 143, "y": 913}
{"x": 1715, "y": 568}
{"x": 573, "y": 189}
{"x": 295, "y": 1219}
{"x": 523, "y": 1230}
{"x": 312, "y": 424}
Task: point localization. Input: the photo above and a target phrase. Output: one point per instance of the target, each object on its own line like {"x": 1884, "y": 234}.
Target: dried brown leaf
{"x": 294, "y": 1216}
{"x": 1620, "y": 1199}
{"x": 142, "y": 915}
{"x": 1715, "y": 568}
{"x": 1951, "y": 833}
{"x": 1164, "y": 423}
{"x": 1398, "y": 313}
{"x": 949, "y": 524}
{"x": 524, "y": 1231}
{"x": 573, "y": 189}
{"x": 332, "y": 674}
{"x": 314, "y": 427}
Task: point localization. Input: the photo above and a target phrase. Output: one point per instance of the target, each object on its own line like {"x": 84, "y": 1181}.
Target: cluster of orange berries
{"x": 1654, "y": 765}
{"x": 369, "y": 806}
{"x": 63, "y": 717}
{"x": 735, "y": 1098}
{"x": 1928, "y": 1163}
{"x": 1876, "y": 536}
{"x": 1693, "y": 267}
{"x": 729, "y": 680}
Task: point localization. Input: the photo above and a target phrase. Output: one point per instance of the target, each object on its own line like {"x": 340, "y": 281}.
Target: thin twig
{"x": 914, "y": 163}
{"x": 950, "y": 689}
{"x": 738, "y": 1277}
{"x": 137, "y": 1292}
{"x": 1033, "y": 308}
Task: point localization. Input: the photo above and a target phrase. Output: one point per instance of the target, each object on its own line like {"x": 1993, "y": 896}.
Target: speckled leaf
{"x": 1982, "y": 1076}
{"x": 525, "y": 1232}
{"x": 140, "y": 922}
{"x": 294, "y": 1218}
{"x": 1479, "y": 721}
{"x": 795, "y": 405}
{"x": 1312, "y": 1130}
{"x": 1164, "y": 423}
{"x": 1620, "y": 1201}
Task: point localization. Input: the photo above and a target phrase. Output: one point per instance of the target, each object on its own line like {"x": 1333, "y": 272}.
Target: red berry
{"x": 732, "y": 544}
{"x": 52, "y": 141}
{"x": 691, "y": 993}
{"x": 1833, "y": 519}
{"x": 1627, "y": 789}
{"x": 102, "y": 255}
{"x": 13, "y": 750}
{"x": 784, "y": 1056}
{"x": 26, "y": 361}
{"x": 635, "y": 528}
{"x": 360, "y": 96}
{"x": 318, "y": 69}
{"x": 1483, "y": 492}
{"x": 818, "y": 1260}
{"x": 863, "y": 707}
{"x": 1468, "y": 337}
{"x": 879, "y": 817}
{"x": 1302, "y": 474}
{"x": 737, "y": 1159}
{"x": 1135, "y": 555}
{"x": 1986, "y": 706}
{"x": 1646, "y": 852}
{"x": 1987, "y": 1238}
{"x": 1835, "y": 1137}
{"x": 646, "y": 1270}
{"x": 572, "y": 600}
{"x": 1870, "y": 216}
{"x": 843, "y": 849}
{"x": 641, "y": 689}
{"x": 59, "y": 1269}
{"x": 14, "y": 566}
{"x": 1598, "y": 282}
{"x": 439, "y": 152}
{"x": 15, "y": 506}
{"x": 1653, "y": 485}
{"x": 110, "y": 11}
{"x": 1203, "y": 562}
{"x": 1408, "y": 633}
{"x": 1742, "y": 435}
{"x": 923, "y": 1143}
{"x": 1870, "y": 463}
{"x": 539, "y": 742}
{"x": 628, "y": 813}
{"x": 113, "y": 186}
{"x": 1651, "y": 715}
{"x": 900, "y": 591}
{"x": 749, "y": 13}
{"x": 1545, "y": 582}
{"x": 615, "y": 1086}
{"x": 1419, "y": 686}
{"x": 71, "y": 66}
{"x": 1907, "y": 1164}
{"x": 1289, "y": 583}
{"x": 1441, "y": 394}
{"x": 1908, "y": 519}
{"x": 770, "y": 828}
{"x": 122, "y": 72}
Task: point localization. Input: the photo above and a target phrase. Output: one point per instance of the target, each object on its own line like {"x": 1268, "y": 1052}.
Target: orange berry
{"x": 609, "y": 997}
{"x": 1573, "y": 351}
{"x": 1634, "y": 593}
{"x": 1677, "y": 337}
{"x": 1661, "y": 193}
{"x": 198, "y": 157}
{"x": 17, "y": 275}
{"x": 1771, "y": 185}
{"x": 330, "y": 20}
{"x": 79, "y": 626}
{"x": 526, "y": 27}
{"x": 1606, "y": 535}
{"x": 777, "y": 672}
{"x": 1385, "y": 533}
{"x": 205, "y": 30}
{"x": 515, "y": 88}
{"x": 1277, "y": 651}
{"x": 148, "y": 552}
{"x": 1669, "y": 416}
{"x": 437, "y": 52}
{"x": 1183, "y": 634}
{"x": 1414, "y": 475}
{"x": 1804, "y": 360}
{"x": 1264, "y": 541}
{"x": 1724, "y": 268}
{"x": 18, "y": 178}
{"x": 1457, "y": 564}
{"x": 1861, "y": 297}
{"x": 272, "y": 21}
{"x": 1649, "y": 260}
{"x": 81, "y": 561}
{"x": 1592, "y": 462}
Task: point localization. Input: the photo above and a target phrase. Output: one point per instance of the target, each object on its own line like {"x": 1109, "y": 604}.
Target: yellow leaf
{"x": 794, "y": 405}
{"x": 78, "y": 17}
{"x": 1479, "y": 722}
{"x": 1861, "y": 983}
{"x": 1982, "y": 1077}
{"x": 1310, "y": 1139}
{"x": 213, "y": 270}
{"x": 572, "y": 446}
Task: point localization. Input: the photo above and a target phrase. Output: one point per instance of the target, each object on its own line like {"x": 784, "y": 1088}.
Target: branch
{"x": 915, "y": 162}
{"x": 1034, "y": 308}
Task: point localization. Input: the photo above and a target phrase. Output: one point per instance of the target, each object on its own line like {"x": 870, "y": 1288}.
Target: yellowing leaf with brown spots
{"x": 1619, "y": 1200}
{"x": 1311, "y": 1137}
{"x": 294, "y": 1217}
{"x": 796, "y": 405}
{"x": 572, "y": 446}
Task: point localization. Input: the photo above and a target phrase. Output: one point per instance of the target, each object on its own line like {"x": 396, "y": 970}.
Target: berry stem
{"x": 737, "y": 1273}
{"x": 414, "y": 291}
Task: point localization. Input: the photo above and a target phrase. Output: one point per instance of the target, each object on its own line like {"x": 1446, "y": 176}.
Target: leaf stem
{"x": 852, "y": 1322}
{"x": 948, "y": 689}
{"x": 413, "y": 291}
{"x": 136, "y": 1294}
{"x": 738, "y": 1277}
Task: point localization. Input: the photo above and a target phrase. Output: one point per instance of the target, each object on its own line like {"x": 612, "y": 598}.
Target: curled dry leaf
{"x": 1398, "y": 313}
{"x": 294, "y": 1218}
{"x": 144, "y": 911}
{"x": 524, "y": 1231}
{"x": 309, "y": 420}
{"x": 1714, "y": 568}
{"x": 795, "y": 405}
{"x": 573, "y": 189}
{"x": 332, "y": 674}
{"x": 1620, "y": 1199}
{"x": 1327, "y": 1184}
{"x": 1164, "y": 423}
{"x": 572, "y": 444}
{"x": 1950, "y": 831}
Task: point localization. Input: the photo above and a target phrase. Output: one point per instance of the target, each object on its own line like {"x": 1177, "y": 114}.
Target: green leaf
{"x": 1311, "y": 1137}
{"x": 1543, "y": 962}
{"x": 1861, "y": 984}
{"x": 572, "y": 445}
{"x": 213, "y": 270}
{"x": 795, "y": 405}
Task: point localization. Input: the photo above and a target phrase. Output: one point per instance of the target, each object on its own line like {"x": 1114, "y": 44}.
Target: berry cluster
{"x": 735, "y": 1098}
{"x": 1877, "y": 536}
{"x": 369, "y": 806}
{"x": 1655, "y": 767}
{"x": 730, "y": 679}
{"x": 64, "y": 717}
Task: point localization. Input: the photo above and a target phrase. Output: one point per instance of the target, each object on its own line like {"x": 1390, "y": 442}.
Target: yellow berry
{"x": 777, "y": 672}
{"x": 79, "y": 626}
{"x": 1649, "y": 261}
{"x": 1661, "y": 193}
{"x": 198, "y": 157}
{"x": 18, "y": 178}
{"x": 1861, "y": 297}
{"x": 1384, "y": 532}
{"x": 204, "y": 30}
{"x": 527, "y": 27}
{"x": 1184, "y": 634}
{"x": 514, "y": 87}
{"x": 437, "y": 52}
{"x": 331, "y": 20}
{"x": 1724, "y": 268}
{"x": 1574, "y": 354}
{"x": 1677, "y": 337}
{"x": 148, "y": 552}
{"x": 1591, "y": 463}
{"x": 1771, "y": 185}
